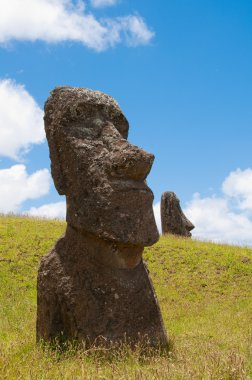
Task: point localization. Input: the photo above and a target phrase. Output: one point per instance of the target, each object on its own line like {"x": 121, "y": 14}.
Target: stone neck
{"x": 103, "y": 252}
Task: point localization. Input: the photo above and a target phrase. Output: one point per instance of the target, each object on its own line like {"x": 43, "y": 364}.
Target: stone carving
{"x": 173, "y": 219}
{"x": 93, "y": 284}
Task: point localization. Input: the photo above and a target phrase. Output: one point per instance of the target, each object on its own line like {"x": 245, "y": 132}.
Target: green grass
{"x": 204, "y": 290}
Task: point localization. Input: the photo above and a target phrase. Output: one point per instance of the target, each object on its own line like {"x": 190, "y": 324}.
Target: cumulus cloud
{"x": 227, "y": 218}
{"x": 239, "y": 185}
{"x": 55, "y": 21}
{"x": 156, "y": 209}
{"x": 224, "y": 219}
{"x": 102, "y": 3}
{"x": 130, "y": 28}
{"x": 215, "y": 221}
{"x": 51, "y": 211}
{"x": 18, "y": 186}
{"x": 21, "y": 120}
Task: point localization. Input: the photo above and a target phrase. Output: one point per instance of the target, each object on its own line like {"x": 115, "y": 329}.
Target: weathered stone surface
{"x": 173, "y": 219}
{"x": 94, "y": 283}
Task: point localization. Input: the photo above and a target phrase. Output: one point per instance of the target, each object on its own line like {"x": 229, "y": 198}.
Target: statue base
{"x": 80, "y": 298}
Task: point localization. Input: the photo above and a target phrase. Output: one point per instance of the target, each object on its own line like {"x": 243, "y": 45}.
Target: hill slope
{"x": 205, "y": 293}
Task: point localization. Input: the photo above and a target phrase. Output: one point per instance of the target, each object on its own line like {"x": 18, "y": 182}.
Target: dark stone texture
{"x": 173, "y": 219}
{"x": 94, "y": 283}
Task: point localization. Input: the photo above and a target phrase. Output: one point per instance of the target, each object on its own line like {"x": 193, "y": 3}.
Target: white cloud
{"x": 62, "y": 20}
{"x": 102, "y": 3}
{"x": 239, "y": 185}
{"x": 225, "y": 219}
{"x": 156, "y": 209}
{"x": 21, "y": 120}
{"x": 132, "y": 28}
{"x": 214, "y": 220}
{"x": 51, "y": 211}
{"x": 17, "y": 186}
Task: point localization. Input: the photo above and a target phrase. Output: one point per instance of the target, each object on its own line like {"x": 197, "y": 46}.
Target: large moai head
{"x": 173, "y": 219}
{"x": 99, "y": 171}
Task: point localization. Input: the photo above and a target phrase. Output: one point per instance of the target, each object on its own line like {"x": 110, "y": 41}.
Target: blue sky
{"x": 181, "y": 72}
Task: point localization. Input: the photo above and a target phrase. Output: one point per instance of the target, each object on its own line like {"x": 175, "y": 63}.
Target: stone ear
{"x": 56, "y": 167}
{"x": 58, "y": 179}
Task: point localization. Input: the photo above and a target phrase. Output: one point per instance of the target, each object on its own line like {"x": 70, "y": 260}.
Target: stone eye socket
{"x": 87, "y": 129}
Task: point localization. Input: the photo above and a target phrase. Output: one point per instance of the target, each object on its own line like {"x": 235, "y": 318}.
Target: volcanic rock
{"x": 93, "y": 286}
{"x": 173, "y": 219}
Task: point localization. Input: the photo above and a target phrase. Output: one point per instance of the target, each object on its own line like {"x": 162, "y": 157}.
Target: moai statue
{"x": 93, "y": 286}
{"x": 173, "y": 219}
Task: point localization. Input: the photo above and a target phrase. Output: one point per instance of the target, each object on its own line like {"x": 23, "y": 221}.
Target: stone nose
{"x": 188, "y": 225}
{"x": 130, "y": 162}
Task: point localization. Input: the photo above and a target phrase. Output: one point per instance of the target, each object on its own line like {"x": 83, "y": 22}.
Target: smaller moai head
{"x": 173, "y": 219}
{"x": 99, "y": 171}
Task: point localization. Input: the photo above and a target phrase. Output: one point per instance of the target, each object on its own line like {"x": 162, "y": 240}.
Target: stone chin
{"x": 127, "y": 218}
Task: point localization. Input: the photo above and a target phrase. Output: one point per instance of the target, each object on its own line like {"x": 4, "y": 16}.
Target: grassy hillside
{"x": 205, "y": 293}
